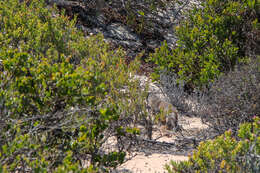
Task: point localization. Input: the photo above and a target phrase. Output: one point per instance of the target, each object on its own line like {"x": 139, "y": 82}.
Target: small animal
{"x": 170, "y": 118}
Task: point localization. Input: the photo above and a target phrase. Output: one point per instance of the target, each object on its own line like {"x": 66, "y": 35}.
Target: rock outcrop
{"x": 149, "y": 28}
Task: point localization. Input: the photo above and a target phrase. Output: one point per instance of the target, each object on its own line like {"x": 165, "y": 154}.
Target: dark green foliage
{"x": 225, "y": 154}
{"x": 60, "y": 93}
{"x": 213, "y": 39}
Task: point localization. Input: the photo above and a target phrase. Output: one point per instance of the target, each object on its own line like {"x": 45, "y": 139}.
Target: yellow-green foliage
{"x": 211, "y": 40}
{"x": 59, "y": 92}
{"x": 225, "y": 153}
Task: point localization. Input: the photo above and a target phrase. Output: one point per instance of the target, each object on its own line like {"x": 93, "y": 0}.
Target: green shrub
{"x": 214, "y": 37}
{"x": 225, "y": 154}
{"x": 60, "y": 93}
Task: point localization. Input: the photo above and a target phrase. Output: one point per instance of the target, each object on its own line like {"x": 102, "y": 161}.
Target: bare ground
{"x": 150, "y": 156}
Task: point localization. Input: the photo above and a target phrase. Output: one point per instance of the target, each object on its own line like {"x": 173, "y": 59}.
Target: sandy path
{"x": 154, "y": 161}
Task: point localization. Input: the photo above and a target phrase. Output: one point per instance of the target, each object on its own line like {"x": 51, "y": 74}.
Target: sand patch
{"x": 152, "y": 159}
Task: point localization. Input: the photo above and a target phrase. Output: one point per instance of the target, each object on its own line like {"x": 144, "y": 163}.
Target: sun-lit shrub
{"x": 214, "y": 37}
{"x": 61, "y": 93}
{"x": 225, "y": 153}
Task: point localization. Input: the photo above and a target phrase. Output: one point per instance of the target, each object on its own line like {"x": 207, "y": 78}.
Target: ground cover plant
{"x": 62, "y": 95}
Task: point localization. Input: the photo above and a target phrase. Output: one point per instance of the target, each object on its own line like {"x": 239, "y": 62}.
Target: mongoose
{"x": 171, "y": 117}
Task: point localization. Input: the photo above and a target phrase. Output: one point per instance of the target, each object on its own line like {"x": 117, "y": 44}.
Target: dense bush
{"x": 61, "y": 94}
{"x": 232, "y": 99}
{"x": 215, "y": 36}
{"x": 225, "y": 154}
{"x": 211, "y": 60}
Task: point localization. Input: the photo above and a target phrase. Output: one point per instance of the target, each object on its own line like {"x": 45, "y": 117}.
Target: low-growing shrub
{"x": 61, "y": 94}
{"x": 232, "y": 99}
{"x": 215, "y": 36}
{"x": 225, "y": 153}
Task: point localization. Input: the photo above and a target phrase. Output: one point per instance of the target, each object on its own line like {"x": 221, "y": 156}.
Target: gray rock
{"x": 152, "y": 44}
{"x": 161, "y": 25}
{"x": 121, "y": 32}
{"x": 171, "y": 38}
{"x": 94, "y": 14}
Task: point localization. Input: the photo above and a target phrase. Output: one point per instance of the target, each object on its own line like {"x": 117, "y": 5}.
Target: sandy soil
{"x": 150, "y": 160}
{"x": 152, "y": 163}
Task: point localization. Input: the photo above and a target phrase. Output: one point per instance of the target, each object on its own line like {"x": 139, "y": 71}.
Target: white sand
{"x": 155, "y": 162}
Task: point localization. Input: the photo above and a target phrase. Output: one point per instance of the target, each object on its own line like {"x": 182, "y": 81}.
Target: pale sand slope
{"x": 151, "y": 163}
{"x": 154, "y": 162}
